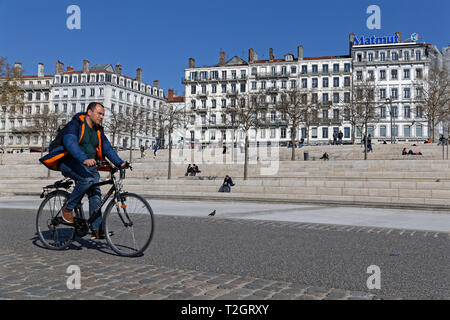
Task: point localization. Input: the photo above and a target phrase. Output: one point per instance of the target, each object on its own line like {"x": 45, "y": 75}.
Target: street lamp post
{"x": 391, "y": 114}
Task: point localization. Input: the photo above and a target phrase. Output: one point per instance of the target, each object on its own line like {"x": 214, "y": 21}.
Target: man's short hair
{"x": 91, "y": 106}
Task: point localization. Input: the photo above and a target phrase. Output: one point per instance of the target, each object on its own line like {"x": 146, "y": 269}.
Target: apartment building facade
{"x": 396, "y": 67}
{"x": 69, "y": 91}
{"x": 398, "y": 70}
{"x": 16, "y": 132}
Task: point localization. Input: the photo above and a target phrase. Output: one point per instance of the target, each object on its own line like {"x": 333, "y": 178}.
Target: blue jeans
{"x": 84, "y": 177}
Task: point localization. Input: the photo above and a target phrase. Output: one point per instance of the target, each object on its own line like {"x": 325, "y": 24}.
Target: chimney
{"x": 85, "y": 66}
{"x": 59, "y": 68}
{"x": 119, "y": 68}
{"x": 139, "y": 74}
{"x": 399, "y": 35}
{"x": 251, "y": 55}
{"x": 170, "y": 97}
{"x": 18, "y": 68}
{"x": 222, "y": 58}
{"x": 300, "y": 52}
{"x": 351, "y": 38}
{"x": 270, "y": 54}
{"x": 156, "y": 83}
{"x": 191, "y": 63}
{"x": 40, "y": 69}
{"x": 69, "y": 68}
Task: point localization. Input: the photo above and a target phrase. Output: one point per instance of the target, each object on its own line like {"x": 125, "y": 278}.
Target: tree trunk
{"x": 131, "y": 147}
{"x": 169, "y": 173}
{"x": 246, "y": 157}
{"x": 365, "y": 141}
{"x": 293, "y": 133}
{"x": 42, "y": 146}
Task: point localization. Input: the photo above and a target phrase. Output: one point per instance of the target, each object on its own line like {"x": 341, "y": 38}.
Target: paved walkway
{"x": 44, "y": 276}
{"x": 438, "y": 221}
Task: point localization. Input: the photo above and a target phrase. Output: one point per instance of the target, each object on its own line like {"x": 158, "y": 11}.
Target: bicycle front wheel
{"x": 129, "y": 225}
{"x": 53, "y": 233}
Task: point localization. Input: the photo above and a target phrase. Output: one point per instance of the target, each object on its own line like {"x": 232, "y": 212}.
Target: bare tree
{"x": 133, "y": 122}
{"x": 46, "y": 125}
{"x": 171, "y": 117}
{"x": 114, "y": 125}
{"x": 435, "y": 92}
{"x": 364, "y": 106}
{"x": 11, "y": 86}
{"x": 294, "y": 107}
{"x": 245, "y": 116}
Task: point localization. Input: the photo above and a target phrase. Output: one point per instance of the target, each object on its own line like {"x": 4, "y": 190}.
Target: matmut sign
{"x": 357, "y": 41}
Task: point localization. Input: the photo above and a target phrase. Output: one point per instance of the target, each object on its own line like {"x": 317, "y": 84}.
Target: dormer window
{"x": 289, "y": 57}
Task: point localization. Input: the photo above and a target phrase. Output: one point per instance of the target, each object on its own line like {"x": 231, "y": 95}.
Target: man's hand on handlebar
{"x": 90, "y": 162}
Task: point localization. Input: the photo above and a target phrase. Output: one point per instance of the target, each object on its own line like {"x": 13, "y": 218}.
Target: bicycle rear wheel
{"x": 131, "y": 222}
{"x": 51, "y": 231}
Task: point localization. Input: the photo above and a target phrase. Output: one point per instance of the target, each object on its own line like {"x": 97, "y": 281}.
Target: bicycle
{"x": 128, "y": 229}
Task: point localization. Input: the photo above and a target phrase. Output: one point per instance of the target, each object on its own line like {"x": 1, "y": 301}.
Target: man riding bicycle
{"x": 83, "y": 144}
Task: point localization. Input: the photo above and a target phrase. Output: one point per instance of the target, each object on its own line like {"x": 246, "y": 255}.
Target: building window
{"x": 419, "y": 131}
{"x": 293, "y": 84}
{"x": 347, "y": 67}
{"x": 214, "y": 88}
{"x": 382, "y": 131}
{"x": 382, "y": 74}
{"x": 406, "y": 55}
{"x": 213, "y": 101}
{"x": 370, "y": 56}
{"x": 406, "y": 93}
{"x": 224, "y": 103}
{"x": 394, "y": 56}
{"x": 383, "y": 112}
{"x": 304, "y": 69}
{"x": 304, "y": 83}
{"x": 315, "y": 82}
{"x": 314, "y": 68}
{"x": 406, "y": 74}
{"x": 407, "y": 112}
{"x": 193, "y": 89}
{"x": 325, "y": 82}
{"x": 314, "y": 133}
{"x": 393, "y": 74}
{"x": 336, "y": 82}
{"x": 324, "y": 114}
{"x": 325, "y": 68}
{"x": 336, "y": 67}
{"x": 418, "y": 55}
{"x": 283, "y": 133}
{"x": 347, "y": 82}
{"x": 346, "y": 96}
{"x": 335, "y": 97}
{"x": 407, "y": 131}
{"x": 394, "y": 93}
{"x": 359, "y": 75}
{"x": 254, "y": 85}
{"x": 346, "y": 132}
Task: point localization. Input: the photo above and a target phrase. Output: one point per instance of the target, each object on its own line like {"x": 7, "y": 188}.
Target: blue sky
{"x": 160, "y": 36}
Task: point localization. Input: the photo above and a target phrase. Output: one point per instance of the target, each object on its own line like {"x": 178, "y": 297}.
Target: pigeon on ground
{"x": 212, "y": 213}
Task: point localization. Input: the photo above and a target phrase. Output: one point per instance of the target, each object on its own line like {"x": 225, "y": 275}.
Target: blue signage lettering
{"x": 357, "y": 41}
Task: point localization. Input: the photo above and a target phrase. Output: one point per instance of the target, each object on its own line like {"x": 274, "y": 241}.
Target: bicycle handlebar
{"x": 106, "y": 164}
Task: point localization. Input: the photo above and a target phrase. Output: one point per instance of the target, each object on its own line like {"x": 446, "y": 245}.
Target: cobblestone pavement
{"x": 44, "y": 276}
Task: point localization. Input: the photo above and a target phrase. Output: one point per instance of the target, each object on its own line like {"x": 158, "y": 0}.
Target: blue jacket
{"x": 72, "y": 134}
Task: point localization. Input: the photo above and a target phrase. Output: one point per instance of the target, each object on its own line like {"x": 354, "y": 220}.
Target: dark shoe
{"x": 100, "y": 235}
{"x": 67, "y": 215}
